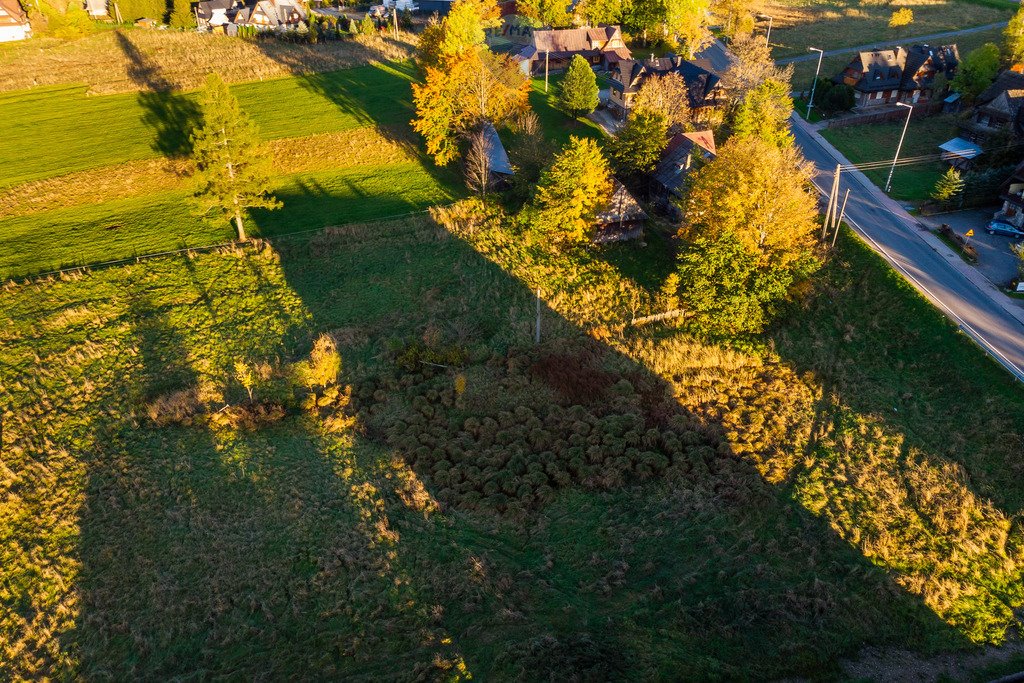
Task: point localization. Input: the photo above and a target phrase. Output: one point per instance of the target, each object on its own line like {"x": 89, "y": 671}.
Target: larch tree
{"x": 901, "y": 17}
{"x": 182, "y": 16}
{"x": 665, "y": 95}
{"x": 764, "y": 113}
{"x": 639, "y": 144}
{"x": 232, "y": 166}
{"x": 478, "y": 165}
{"x": 752, "y": 65}
{"x": 578, "y": 91}
{"x": 949, "y": 186}
{"x": 573, "y": 190}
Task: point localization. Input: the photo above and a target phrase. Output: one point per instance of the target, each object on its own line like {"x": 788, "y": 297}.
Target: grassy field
{"x": 197, "y": 532}
{"x": 557, "y": 126}
{"x": 877, "y": 142}
{"x": 833, "y": 24}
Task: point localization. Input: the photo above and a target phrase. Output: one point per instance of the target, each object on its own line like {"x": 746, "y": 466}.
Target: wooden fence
{"x": 894, "y": 114}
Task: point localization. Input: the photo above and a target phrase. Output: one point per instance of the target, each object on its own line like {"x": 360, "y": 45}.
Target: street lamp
{"x": 767, "y": 36}
{"x": 810, "y": 103}
{"x": 910, "y": 110}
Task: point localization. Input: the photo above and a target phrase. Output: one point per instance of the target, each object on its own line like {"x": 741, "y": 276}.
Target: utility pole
{"x": 536, "y": 330}
{"x": 546, "y": 53}
{"x": 833, "y": 200}
{"x": 394, "y": 16}
{"x": 910, "y": 110}
{"x": 814, "y": 84}
{"x": 840, "y": 221}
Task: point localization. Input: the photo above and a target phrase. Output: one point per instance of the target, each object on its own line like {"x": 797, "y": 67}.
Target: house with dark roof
{"x": 1012, "y": 194}
{"x": 622, "y": 220}
{"x": 703, "y": 86}
{"x": 271, "y": 15}
{"x": 13, "y": 22}
{"x": 213, "y": 13}
{"x": 684, "y": 153}
{"x": 881, "y": 77}
{"x": 602, "y": 47}
{"x": 499, "y": 167}
{"x": 997, "y": 109}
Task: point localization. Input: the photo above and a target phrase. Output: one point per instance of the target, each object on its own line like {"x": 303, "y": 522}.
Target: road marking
{"x": 975, "y": 336}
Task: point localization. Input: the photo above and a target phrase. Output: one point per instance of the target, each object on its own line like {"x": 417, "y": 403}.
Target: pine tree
{"x": 948, "y": 186}
{"x": 366, "y": 26}
{"x": 181, "y": 15}
{"x": 232, "y": 168}
{"x": 577, "y": 94}
{"x": 573, "y": 190}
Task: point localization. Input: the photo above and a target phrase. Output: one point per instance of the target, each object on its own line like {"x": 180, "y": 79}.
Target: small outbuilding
{"x": 498, "y": 165}
{"x": 684, "y": 153}
{"x": 13, "y": 22}
{"x": 623, "y": 219}
{"x": 960, "y": 153}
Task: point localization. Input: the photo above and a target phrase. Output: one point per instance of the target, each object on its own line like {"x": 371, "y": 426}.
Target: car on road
{"x": 1004, "y": 229}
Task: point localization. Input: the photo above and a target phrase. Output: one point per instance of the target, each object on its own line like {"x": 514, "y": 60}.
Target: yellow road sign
{"x": 970, "y": 233}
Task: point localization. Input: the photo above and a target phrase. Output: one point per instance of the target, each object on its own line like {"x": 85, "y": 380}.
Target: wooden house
{"x": 1012, "y": 196}
{"x": 703, "y": 86}
{"x": 623, "y": 219}
{"x": 881, "y": 77}
{"x": 602, "y": 47}
{"x": 271, "y": 15}
{"x": 997, "y": 109}
{"x": 684, "y": 153}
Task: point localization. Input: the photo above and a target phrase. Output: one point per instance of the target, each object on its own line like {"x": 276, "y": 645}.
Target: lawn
{"x": 244, "y": 538}
{"x": 833, "y": 24}
{"x": 71, "y": 131}
{"x": 877, "y": 142}
{"x": 556, "y": 124}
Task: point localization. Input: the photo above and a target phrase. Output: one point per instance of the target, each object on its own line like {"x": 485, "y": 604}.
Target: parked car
{"x": 1004, "y": 229}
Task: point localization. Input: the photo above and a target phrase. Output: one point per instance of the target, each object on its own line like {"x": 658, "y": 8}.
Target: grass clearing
{"x": 200, "y": 546}
{"x": 877, "y": 142}
{"x": 556, "y": 124}
{"x": 834, "y": 24}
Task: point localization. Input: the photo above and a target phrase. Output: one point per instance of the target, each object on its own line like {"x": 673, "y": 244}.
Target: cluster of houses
{"x": 13, "y": 22}
{"x": 604, "y": 49}
{"x": 227, "y": 16}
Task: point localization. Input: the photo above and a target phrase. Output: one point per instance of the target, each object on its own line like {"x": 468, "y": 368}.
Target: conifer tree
{"x": 232, "y": 167}
{"x": 948, "y": 186}
{"x": 181, "y": 15}
{"x": 577, "y": 94}
{"x": 573, "y": 190}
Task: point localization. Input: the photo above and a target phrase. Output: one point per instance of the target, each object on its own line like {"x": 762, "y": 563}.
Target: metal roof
{"x": 497, "y": 158}
{"x": 961, "y": 148}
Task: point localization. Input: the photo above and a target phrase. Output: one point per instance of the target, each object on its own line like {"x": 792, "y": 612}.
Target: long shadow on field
{"x": 596, "y": 529}
{"x": 171, "y": 115}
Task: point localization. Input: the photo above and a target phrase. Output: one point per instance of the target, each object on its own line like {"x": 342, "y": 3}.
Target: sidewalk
{"x": 919, "y": 227}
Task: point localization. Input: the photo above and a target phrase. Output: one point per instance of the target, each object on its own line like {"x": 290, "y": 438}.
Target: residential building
{"x": 602, "y": 47}
{"x": 684, "y": 153}
{"x": 703, "y": 86}
{"x": 882, "y": 77}
{"x": 623, "y": 219}
{"x": 997, "y": 110}
{"x": 271, "y": 15}
{"x": 13, "y": 22}
{"x": 213, "y": 13}
{"x": 1012, "y": 195}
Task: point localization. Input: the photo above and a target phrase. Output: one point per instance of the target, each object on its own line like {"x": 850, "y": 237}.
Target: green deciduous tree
{"x": 572, "y": 191}
{"x": 949, "y": 186}
{"x": 232, "y": 167}
{"x": 724, "y": 288}
{"x": 976, "y": 71}
{"x": 644, "y": 18}
{"x": 764, "y": 113}
{"x": 734, "y": 16}
{"x": 601, "y": 12}
{"x": 551, "y": 13}
{"x": 578, "y": 91}
{"x": 1013, "y": 36}
{"x": 639, "y": 144}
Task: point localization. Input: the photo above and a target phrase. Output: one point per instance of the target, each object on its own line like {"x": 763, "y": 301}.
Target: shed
{"x": 622, "y": 220}
{"x": 497, "y": 158}
{"x": 959, "y": 153}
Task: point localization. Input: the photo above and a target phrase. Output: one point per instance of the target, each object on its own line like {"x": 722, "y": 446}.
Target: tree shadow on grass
{"x": 171, "y": 115}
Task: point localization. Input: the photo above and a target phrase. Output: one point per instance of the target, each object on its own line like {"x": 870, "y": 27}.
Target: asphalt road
{"x": 895, "y": 235}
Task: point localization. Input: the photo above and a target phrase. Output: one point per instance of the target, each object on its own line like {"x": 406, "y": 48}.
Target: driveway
{"x": 995, "y": 259}
{"x": 603, "y": 116}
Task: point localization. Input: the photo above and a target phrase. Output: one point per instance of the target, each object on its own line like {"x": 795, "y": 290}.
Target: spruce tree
{"x": 948, "y": 186}
{"x": 577, "y": 95}
{"x": 367, "y": 27}
{"x": 232, "y": 167}
{"x": 182, "y": 16}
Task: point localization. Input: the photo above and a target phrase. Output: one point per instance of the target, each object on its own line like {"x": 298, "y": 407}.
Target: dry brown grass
{"x": 136, "y": 178}
{"x": 182, "y": 59}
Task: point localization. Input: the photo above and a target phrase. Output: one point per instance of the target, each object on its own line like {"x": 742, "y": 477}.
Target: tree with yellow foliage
{"x": 572, "y": 191}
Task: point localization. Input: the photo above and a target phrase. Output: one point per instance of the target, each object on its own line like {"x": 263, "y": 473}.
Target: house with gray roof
{"x": 703, "y": 85}
{"x": 880, "y": 77}
{"x": 602, "y": 47}
{"x": 684, "y": 153}
{"x": 622, "y": 220}
{"x": 997, "y": 109}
